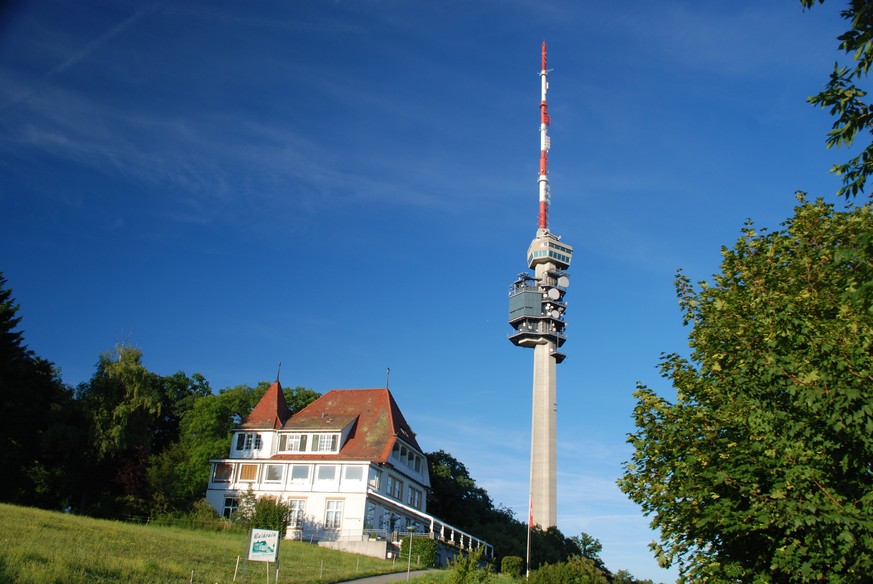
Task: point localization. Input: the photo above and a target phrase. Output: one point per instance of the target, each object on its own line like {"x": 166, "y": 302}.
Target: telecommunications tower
{"x": 536, "y": 314}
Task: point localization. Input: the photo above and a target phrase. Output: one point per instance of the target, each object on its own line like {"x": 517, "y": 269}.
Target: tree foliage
{"x": 38, "y": 437}
{"x": 576, "y": 570}
{"x": 469, "y": 569}
{"x": 589, "y": 546}
{"x": 204, "y": 431}
{"x": 132, "y": 418}
{"x": 123, "y": 402}
{"x": 458, "y": 500}
{"x": 761, "y": 468}
{"x": 845, "y": 100}
{"x": 422, "y": 550}
{"x": 512, "y": 566}
{"x": 263, "y": 513}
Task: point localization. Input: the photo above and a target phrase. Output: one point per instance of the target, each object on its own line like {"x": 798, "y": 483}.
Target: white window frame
{"x": 267, "y": 469}
{"x": 297, "y": 515}
{"x": 300, "y": 480}
{"x": 333, "y": 514}
{"x": 248, "y": 441}
{"x": 217, "y": 478}
{"x": 246, "y": 480}
{"x": 295, "y": 442}
{"x": 349, "y": 469}
{"x": 325, "y": 443}
{"x": 413, "y": 498}
{"x": 375, "y": 478}
{"x": 395, "y": 487}
{"x": 325, "y": 467}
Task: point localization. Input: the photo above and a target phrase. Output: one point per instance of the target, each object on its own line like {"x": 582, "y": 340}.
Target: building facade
{"x": 348, "y": 465}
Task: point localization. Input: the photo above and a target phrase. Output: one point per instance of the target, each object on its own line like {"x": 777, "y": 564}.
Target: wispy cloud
{"x": 77, "y": 57}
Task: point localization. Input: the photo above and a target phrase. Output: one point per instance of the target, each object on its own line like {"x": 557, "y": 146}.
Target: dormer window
{"x": 325, "y": 442}
{"x": 248, "y": 441}
{"x": 292, "y": 442}
{"x": 299, "y": 442}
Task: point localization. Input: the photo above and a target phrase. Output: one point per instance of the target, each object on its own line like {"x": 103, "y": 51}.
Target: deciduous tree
{"x": 589, "y": 547}
{"x": 845, "y": 100}
{"x": 760, "y": 469}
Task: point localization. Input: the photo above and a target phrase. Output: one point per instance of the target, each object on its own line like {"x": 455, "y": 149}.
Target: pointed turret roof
{"x": 271, "y": 412}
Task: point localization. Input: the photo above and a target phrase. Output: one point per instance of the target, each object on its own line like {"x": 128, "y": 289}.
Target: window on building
{"x": 324, "y": 442}
{"x": 248, "y": 472}
{"x": 333, "y": 514}
{"x": 375, "y": 478}
{"x": 354, "y": 473}
{"x": 299, "y": 473}
{"x": 223, "y": 472}
{"x": 248, "y": 441}
{"x": 326, "y": 472}
{"x": 295, "y": 517}
{"x": 414, "y": 498}
{"x": 274, "y": 473}
{"x": 292, "y": 442}
{"x": 230, "y": 505}
{"x": 395, "y": 488}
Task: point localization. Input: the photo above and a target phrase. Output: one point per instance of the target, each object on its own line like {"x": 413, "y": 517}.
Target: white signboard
{"x": 264, "y": 545}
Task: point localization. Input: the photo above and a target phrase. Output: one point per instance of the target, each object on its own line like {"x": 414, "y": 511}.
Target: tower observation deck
{"x": 536, "y": 314}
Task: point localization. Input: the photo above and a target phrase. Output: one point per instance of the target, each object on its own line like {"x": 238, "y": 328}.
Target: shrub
{"x": 576, "y": 570}
{"x": 423, "y": 549}
{"x": 511, "y": 566}
{"x": 263, "y": 513}
{"x": 466, "y": 570}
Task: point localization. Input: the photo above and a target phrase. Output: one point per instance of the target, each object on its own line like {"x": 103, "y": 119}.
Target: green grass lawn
{"x": 41, "y": 547}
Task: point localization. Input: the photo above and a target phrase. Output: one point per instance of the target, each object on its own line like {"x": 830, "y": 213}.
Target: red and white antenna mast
{"x": 545, "y": 197}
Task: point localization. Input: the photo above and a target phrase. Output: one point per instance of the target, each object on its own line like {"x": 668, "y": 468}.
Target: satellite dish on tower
{"x": 554, "y": 293}
{"x": 563, "y": 281}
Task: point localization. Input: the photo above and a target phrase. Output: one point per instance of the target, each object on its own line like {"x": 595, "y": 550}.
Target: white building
{"x": 348, "y": 465}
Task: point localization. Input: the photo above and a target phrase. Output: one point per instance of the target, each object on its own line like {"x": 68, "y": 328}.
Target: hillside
{"x": 42, "y": 546}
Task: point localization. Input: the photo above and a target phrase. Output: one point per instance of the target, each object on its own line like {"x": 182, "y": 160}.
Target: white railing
{"x": 439, "y": 529}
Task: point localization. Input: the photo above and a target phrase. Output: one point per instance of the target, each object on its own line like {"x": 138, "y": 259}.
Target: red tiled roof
{"x": 271, "y": 412}
{"x": 379, "y": 424}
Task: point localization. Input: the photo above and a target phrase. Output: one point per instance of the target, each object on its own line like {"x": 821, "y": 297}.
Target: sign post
{"x": 264, "y": 547}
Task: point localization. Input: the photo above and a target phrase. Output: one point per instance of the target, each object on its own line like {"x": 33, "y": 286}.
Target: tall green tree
{"x": 35, "y": 443}
{"x": 845, "y": 100}
{"x": 122, "y": 405}
{"x": 760, "y": 470}
{"x": 589, "y": 546}
{"x": 133, "y": 424}
{"x": 455, "y": 496}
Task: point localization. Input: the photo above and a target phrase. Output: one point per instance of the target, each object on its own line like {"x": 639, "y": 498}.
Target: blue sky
{"x": 348, "y": 186}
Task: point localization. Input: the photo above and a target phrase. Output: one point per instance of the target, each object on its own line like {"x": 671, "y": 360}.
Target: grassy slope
{"x": 41, "y": 547}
